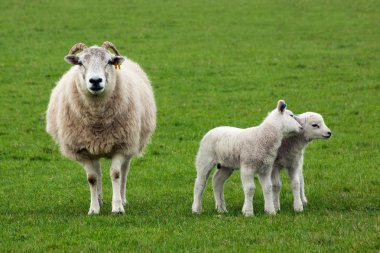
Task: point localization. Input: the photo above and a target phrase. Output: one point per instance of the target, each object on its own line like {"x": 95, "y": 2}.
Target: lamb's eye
{"x": 110, "y": 62}
{"x": 80, "y": 63}
{"x": 291, "y": 115}
{"x": 315, "y": 125}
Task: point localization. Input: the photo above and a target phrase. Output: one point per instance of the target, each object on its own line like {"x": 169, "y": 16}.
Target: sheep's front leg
{"x": 99, "y": 182}
{"x": 115, "y": 172}
{"x": 302, "y": 183}
{"x": 218, "y": 181}
{"x": 124, "y": 174}
{"x": 92, "y": 177}
{"x": 295, "y": 183}
{"x": 266, "y": 184}
{"x": 276, "y": 187}
{"x": 246, "y": 174}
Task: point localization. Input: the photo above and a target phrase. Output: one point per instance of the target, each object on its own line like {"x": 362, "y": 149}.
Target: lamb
{"x": 253, "y": 150}
{"x": 291, "y": 155}
{"x": 103, "y": 107}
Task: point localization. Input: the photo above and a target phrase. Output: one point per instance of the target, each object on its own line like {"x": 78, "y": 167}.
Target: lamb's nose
{"x": 95, "y": 81}
{"x": 329, "y": 133}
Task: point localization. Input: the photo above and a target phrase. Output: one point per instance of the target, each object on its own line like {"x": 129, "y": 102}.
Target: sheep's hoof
{"x": 124, "y": 202}
{"x": 304, "y": 202}
{"x": 93, "y": 211}
{"x": 118, "y": 211}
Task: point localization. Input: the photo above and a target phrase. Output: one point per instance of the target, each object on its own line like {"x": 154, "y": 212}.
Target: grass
{"x": 211, "y": 63}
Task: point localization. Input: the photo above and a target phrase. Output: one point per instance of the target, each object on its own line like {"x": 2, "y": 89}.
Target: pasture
{"x": 211, "y": 63}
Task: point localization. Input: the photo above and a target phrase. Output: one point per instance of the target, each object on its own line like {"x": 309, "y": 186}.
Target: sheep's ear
{"x": 116, "y": 60}
{"x": 281, "y": 105}
{"x": 72, "y": 59}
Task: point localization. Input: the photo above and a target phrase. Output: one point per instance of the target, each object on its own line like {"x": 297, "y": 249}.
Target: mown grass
{"x": 211, "y": 63}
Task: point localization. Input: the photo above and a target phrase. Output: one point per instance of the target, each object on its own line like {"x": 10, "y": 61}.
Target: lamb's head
{"x": 288, "y": 123}
{"x": 97, "y": 66}
{"x": 314, "y": 126}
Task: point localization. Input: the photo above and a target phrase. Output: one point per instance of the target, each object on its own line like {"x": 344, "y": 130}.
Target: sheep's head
{"x": 96, "y": 65}
{"x": 314, "y": 126}
{"x": 290, "y": 124}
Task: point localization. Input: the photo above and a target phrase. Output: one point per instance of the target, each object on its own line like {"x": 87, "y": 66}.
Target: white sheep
{"x": 253, "y": 150}
{"x": 291, "y": 154}
{"x": 103, "y": 107}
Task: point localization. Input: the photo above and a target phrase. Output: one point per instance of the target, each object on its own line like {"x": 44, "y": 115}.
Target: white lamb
{"x": 102, "y": 107}
{"x": 253, "y": 150}
{"x": 290, "y": 156}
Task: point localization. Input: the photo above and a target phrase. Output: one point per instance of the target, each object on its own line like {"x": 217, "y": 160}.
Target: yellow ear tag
{"x": 117, "y": 66}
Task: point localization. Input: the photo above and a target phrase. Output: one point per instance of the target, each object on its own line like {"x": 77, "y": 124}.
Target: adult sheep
{"x": 103, "y": 107}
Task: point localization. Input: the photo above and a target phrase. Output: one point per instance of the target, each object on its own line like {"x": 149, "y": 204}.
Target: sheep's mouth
{"x": 326, "y": 136}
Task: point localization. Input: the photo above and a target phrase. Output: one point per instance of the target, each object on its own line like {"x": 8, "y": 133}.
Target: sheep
{"x": 253, "y": 150}
{"x": 291, "y": 155}
{"x": 103, "y": 107}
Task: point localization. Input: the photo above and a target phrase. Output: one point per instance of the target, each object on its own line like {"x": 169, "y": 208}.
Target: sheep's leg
{"x": 115, "y": 172}
{"x": 266, "y": 185}
{"x": 92, "y": 177}
{"x": 204, "y": 168}
{"x": 220, "y": 177}
{"x": 295, "y": 183}
{"x": 276, "y": 187}
{"x": 302, "y": 184}
{"x": 246, "y": 175}
{"x": 99, "y": 182}
{"x": 124, "y": 173}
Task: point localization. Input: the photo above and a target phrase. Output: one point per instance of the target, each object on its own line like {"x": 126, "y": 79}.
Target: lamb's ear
{"x": 72, "y": 59}
{"x": 281, "y": 105}
{"x": 116, "y": 60}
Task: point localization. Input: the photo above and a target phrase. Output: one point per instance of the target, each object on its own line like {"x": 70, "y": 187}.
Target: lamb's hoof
{"x": 124, "y": 202}
{"x": 298, "y": 209}
{"x": 221, "y": 209}
{"x": 119, "y": 210}
{"x": 94, "y": 211}
{"x": 247, "y": 213}
{"x": 270, "y": 212}
{"x": 304, "y": 202}
{"x": 196, "y": 208}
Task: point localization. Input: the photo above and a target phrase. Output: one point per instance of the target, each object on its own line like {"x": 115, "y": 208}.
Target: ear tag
{"x": 282, "y": 108}
{"x": 117, "y": 65}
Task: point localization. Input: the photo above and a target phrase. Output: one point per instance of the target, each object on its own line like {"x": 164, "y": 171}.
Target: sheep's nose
{"x": 329, "y": 133}
{"x": 96, "y": 81}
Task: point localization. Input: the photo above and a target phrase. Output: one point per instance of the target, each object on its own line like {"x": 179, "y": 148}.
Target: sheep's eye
{"x": 291, "y": 115}
{"x": 110, "y": 62}
{"x": 315, "y": 125}
{"x": 80, "y": 63}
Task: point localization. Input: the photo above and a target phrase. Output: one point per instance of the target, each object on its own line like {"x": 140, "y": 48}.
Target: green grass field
{"x": 211, "y": 63}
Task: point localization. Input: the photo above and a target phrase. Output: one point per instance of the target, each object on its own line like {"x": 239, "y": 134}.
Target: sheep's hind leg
{"x": 203, "y": 171}
{"x": 266, "y": 185}
{"x": 124, "y": 174}
{"x": 246, "y": 174}
{"x": 92, "y": 177}
{"x": 295, "y": 182}
{"x": 115, "y": 173}
{"x": 220, "y": 177}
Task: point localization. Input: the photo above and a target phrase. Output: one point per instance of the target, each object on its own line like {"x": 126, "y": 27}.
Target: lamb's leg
{"x": 124, "y": 173}
{"x": 276, "y": 187}
{"x": 246, "y": 174}
{"x": 92, "y": 177}
{"x": 266, "y": 185}
{"x": 302, "y": 184}
{"x": 115, "y": 172}
{"x": 295, "y": 183}
{"x": 204, "y": 168}
{"x": 99, "y": 182}
{"x": 218, "y": 181}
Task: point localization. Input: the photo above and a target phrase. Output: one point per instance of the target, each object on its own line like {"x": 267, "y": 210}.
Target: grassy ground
{"x": 211, "y": 63}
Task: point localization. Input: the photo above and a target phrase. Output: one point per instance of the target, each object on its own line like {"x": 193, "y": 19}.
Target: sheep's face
{"x": 314, "y": 126}
{"x": 290, "y": 125}
{"x": 97, "y": 69}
